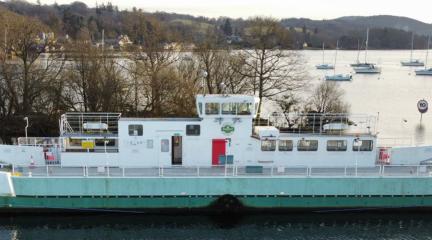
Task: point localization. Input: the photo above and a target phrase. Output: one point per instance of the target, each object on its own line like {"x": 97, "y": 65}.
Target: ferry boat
{"x": 221, "y": 160}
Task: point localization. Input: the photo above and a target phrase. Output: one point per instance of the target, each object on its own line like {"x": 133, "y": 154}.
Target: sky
{"x": 314, "y": 9}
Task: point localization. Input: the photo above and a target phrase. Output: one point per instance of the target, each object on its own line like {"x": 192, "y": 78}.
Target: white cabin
{"x": 223, "y": 133}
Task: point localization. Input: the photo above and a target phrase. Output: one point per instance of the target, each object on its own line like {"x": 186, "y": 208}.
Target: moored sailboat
{"x": 426, "y": 71}
{"x": 367, "y": 68}
{"x": 412, "y": 62}
{"x": 338, "y": 77}
{"x": 323, "y": 65}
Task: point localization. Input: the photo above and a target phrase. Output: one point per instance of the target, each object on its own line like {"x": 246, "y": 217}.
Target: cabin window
{"x": 193, "y": 130}
{"x": 212, "y": 108}
{"x": 75, "y": 142}
{"x": 336, "y": 145}
{"x": 229, "y": 108}
{"x": 285, "y": 145}
{"x": 244, "y": 108}
{"x": 307, "y": 145}
{"x": 165, "y": 145}
{"x": 101, "y": 142}
{"x": 135, "y": 130}
{"x": 200, "y": 108}
{"x": 268, "y": 145}
{"x": 365, "y": 146}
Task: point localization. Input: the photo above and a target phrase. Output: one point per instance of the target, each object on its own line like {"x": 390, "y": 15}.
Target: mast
{"x": 358, "y": 50}
{"x": 337, "y": 47}
{"x": 367, "y": 43}
{"x": 427, "y": 52}
{"x": 323, "y": 53}
{"x": 412, "y": 47}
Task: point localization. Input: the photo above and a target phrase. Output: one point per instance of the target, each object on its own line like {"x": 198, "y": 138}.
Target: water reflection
{"x": 305, "y": 226}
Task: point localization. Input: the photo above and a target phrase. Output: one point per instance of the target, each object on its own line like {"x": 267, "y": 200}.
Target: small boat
{"x": 412, "y": 62}
{"x": 372, "y": 69}
{"x": 426, "y": 71}
{"x": 338, "y": 77}
{"x": 323, "y": 65}
{"x": 366, "y": 68}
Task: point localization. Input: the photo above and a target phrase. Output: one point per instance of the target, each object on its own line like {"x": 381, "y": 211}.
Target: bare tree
{"x": 328, "y": 98}
{"x": 271, "y": 70}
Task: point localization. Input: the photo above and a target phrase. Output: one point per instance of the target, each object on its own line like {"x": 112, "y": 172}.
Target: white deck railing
{"x": 224, "y": 171}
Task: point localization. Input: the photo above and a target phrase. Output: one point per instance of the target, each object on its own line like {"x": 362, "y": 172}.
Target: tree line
{"x": 151, "y": 79}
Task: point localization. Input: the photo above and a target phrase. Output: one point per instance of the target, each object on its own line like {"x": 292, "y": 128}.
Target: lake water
{"x": 394, "y": 93}
{"x": 306, "y": 226}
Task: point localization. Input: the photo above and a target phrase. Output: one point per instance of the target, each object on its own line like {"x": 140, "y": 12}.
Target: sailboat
{"x": 427, "y": 71}
{"x": 324, "y": 66}
{"x": 412, "y": 62}
{"x": 367, "y": 67}
{"x": 338, "y": 77}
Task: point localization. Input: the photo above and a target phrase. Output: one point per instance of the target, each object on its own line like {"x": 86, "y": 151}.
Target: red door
{"x": 218, "y": 149}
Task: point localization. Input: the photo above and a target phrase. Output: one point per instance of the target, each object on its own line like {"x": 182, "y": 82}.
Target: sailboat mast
{"x": 412, "y": 47}
{"x": 367, "y": 43}
{"x": 337, "y": 47}
{"x": 427, "y": 52}
{"x": 323, "y": 53}
{"x": 358, "y": 51}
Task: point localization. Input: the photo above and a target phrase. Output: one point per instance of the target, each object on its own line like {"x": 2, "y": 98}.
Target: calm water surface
{"x": 306, "y": 226}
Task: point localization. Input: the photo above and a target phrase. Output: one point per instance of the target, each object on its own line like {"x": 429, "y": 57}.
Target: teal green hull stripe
{"x": 54, "y": 186}
{"x": 65, "y": 203}
{"x": 73, "y": 193}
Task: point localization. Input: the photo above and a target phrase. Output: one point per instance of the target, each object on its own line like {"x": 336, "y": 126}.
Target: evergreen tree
{"x": 227, "y": 29}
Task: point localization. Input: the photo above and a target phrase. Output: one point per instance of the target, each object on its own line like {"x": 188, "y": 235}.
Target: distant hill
{"x": 387, "y": 32}
{"x": 77, "y": 19}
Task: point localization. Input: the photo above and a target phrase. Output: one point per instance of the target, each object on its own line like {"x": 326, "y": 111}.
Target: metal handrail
{"x": 230, "y": 171}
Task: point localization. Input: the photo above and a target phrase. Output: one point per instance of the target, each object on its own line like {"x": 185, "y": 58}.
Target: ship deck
{"x": 229, "y": 171}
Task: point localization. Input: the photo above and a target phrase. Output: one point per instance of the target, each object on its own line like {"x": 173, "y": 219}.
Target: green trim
{"x": 203, "y": 202}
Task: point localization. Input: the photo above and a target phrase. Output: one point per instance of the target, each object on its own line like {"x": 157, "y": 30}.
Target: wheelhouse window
{"x": 228, "y": 108}
{"x": 165, "y": 145}
{"x": 285, "y": 145}
{"x": 193, "y": 130}
{"x": 268, "y": 145}
{"x": 212, "y": 108}
{"x": 135, "y": 130}
{"x": 200, "y": 108}
{"x": 244, "y": 108}
{"x": 363, "y": 145}
{"x": 307, "y": 145}
{"x": 336, "y": 145}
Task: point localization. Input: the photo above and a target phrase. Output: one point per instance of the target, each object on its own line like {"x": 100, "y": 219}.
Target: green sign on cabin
{"x": 227, "y": 129}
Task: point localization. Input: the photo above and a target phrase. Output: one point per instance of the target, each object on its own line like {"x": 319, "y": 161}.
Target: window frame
{"x": 273, "y": 145}
{"x": 289, "y": 148}
{"x": 140, "y": 130}
{"x": 206, "y": 106}
{"x": 304, "y": 149}
{"x": 361, "y": 148}
{"x": 249, "y": 108}
{"x": 231, "y": 112}
{"x": 337, "y": 148}
{"x": 194, "y": 130}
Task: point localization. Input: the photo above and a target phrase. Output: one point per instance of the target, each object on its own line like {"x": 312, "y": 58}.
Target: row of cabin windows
{"x": 312, "y": 145}
{"x": 191, "y": 130}
{"x": 226, "y": 108}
